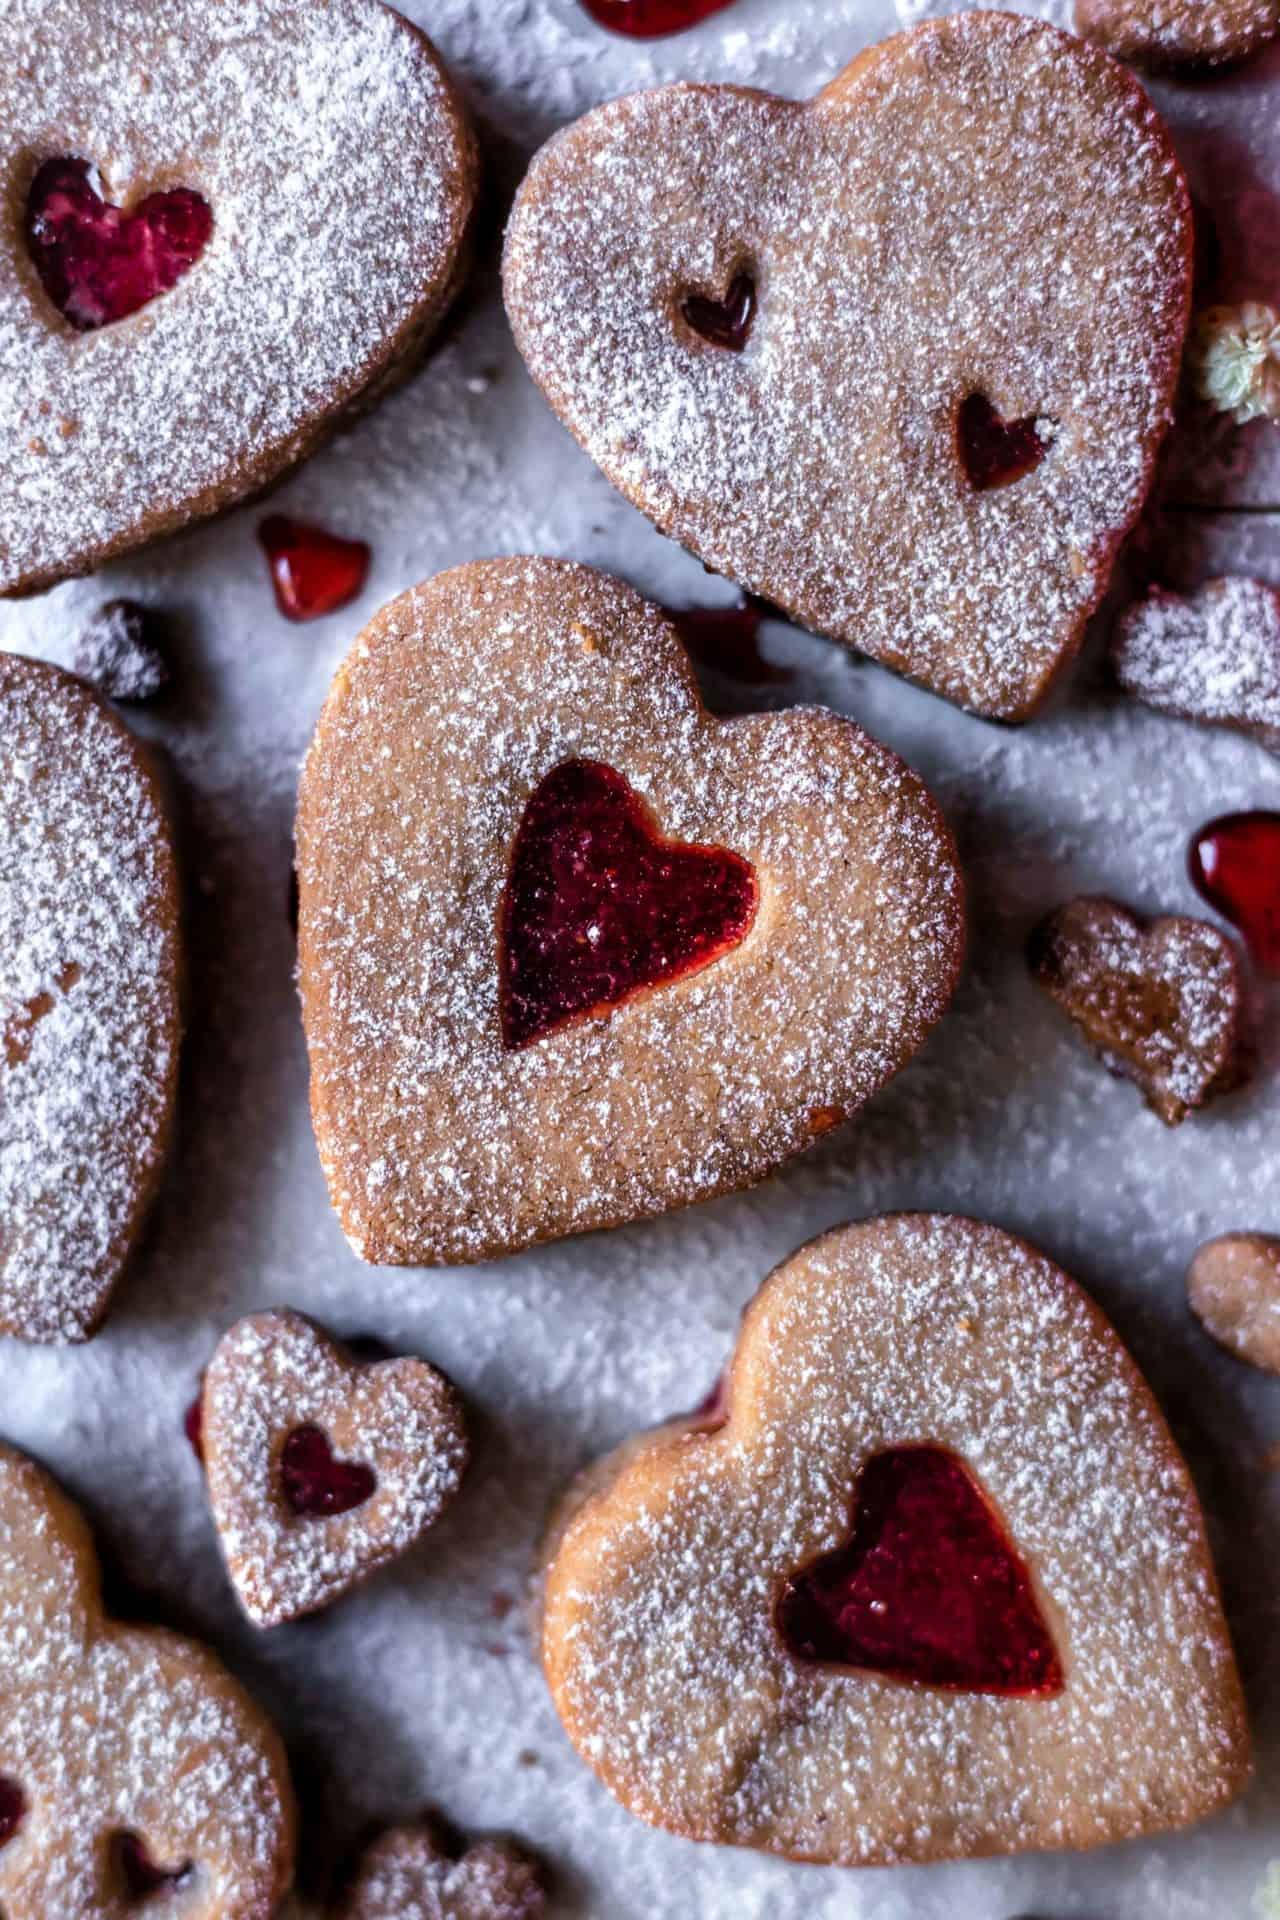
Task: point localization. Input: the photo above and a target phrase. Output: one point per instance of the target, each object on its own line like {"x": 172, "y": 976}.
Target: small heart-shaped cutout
{"x": 13, "y": 1805}
{"x": 723, "y": 323}
{"x": 316, "y": 1483}
{"x": 599, "y": 906}
{"x": 929, "y": 1588}
{"x": 651, "y": 19}
{"x": 141, "y": 1876}
{"x": 995, "y": 452}
{"x": 1235, "y": 864}
{"x": 97, "y": 263}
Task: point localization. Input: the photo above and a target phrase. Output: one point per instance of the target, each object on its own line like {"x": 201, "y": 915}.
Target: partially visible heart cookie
{"x": 937, "y": 1587}
{"x": 320, "y": 1470}
{"x": 572, "y": 951}
{"x": 1158, "y": 1001}
{"x": 1179, "y": 33}
{"x": 1233, "y": 1285}
{"x": 132, "y": 1765}
{"x": 409, "y": 1874}
{"x": 238, "y": 223}
{"x": 90, "y": 1024}
{"x": 927, "y": 431}
{"x": 1212, "y": 656}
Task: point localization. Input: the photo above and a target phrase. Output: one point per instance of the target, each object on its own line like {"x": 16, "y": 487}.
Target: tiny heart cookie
{"x": 131, "y": 1763}
{"x": 969, "y": 262}
{"x": 572, "y": 951}
{"x": 1233, "y": 1286}
{"x": 1212, "y": 656}
{"x": 90, "y": 1017}
{"x": 1179, "y": 33}
{"x": 411, "y": 1874}
{"x": 320, "y": 1470}
{"x": 240, "y": 222}
{"x": 1158, "y": 1001}
{"x": 935, "y": 1587}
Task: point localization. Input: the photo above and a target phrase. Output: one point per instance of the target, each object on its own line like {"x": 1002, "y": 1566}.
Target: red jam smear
{"x": 723, "y": 323}
{"x": 1235, "y": 864}
{"x": 193, "y": 1425}
{"x": 599, "y": 906}
{"x": 316, "y": 1483}
{"x": 99, "y": 264}
{"x": 312, "y": 572}
{"x": 996, "y": 452}
{"x": 13, "y": 1806}
{"x": 141, "y": 1876}
{"x": 726, "y": 640}
{"x": 650, "y": 19}
{"x": 929, "y": 1587}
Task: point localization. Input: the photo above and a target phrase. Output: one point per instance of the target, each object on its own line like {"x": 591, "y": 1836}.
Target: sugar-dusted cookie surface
{"x": 1233, "y": 1285}
{"x": 572, "y": 951}
{"x": 89, "y": 999}
{"x": 1213, "y": 655}
{"x": 1031, "y": 1651}
{"x": 320, "y": 1470}
{"x": 327, "y": 148}
{"x": 969, "y": 262}
{"x": 132, "y": 1766}
{"x": 1179, "y": 33}
{"x": 407, "y": 1874}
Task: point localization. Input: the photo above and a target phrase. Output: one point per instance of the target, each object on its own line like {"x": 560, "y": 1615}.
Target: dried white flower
{"x": 1234, "y": 359}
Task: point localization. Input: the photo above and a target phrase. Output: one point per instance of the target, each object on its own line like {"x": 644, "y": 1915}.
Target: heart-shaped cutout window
{"x": 139, "y": 1875}
{"x": 316, "y": 1484}
{"x": 13, "y": 1807}
{"x": 723, "y": 323}
{"x": 996, "y": 452}
{"x": 99, "y": 263}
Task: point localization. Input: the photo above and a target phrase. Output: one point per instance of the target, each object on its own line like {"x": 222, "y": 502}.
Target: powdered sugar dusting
{"x": 406, "y": 1876}
{"x": 1213, "y": 655}
{"x": 88, "y": 1000}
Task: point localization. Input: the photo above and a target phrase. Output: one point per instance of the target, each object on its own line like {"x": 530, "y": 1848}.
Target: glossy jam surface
{"x": 99, "y": 264}
{"x": 141, "y": 1876}
{"x": 599, "y": 906}
{"x": 312, "y": 572}
{"x": 13, "y": 1804}
{"x": 316, "y": 1483}
{"x": 727, "y": 641}
{"x": 996, "y": 452}
{"x": 1235, "y": 864}
{"x": 724, "y": 323}
{"x": 928, "y": 1588}
{"x": 649, "y": 19}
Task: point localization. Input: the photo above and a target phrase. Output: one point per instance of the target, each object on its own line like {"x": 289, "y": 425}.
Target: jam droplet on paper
{"x": 929, "y": 1587}
{"x": 142, "y": 1877}
{"x": 13, "y": 1805}
{"x": 650, "y": 19}
{"x": 996, "y": 452}
{"x": 316, "y": 1483}
{"x": 97, "y": 263}
{"x": 313, "y": 572}
{"x": 599, "y": 906}
{"x": 1235, "y": 864}
{"x": 723, "y": 323}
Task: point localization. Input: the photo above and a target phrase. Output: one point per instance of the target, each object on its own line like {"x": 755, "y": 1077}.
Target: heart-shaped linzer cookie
{"x": 573, "y": 951}
{"x": 320, "y": 1470}
{"x": 231, "y": 226}
{"x": 937, "y": 1587}
{"x": 90, "y": 963}
{"x": 132, "y": 1765}
{"x": 981, "y": 214}
{"x": 411, "y": 1873}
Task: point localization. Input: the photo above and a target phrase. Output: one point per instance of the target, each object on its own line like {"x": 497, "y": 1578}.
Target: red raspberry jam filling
{"x": 928, "y": 1588}
{"x": 141, "y": 1876}
{"x": 724, "y": 323}
{"x": 99, "y": 264}
{"x": 316, "y": 1483}
{"x": 648, "y": 19}
{"x": 727, "y": 641}
{"x": 193, "y": 1425}
{"x": 996, "y": 452}
{"x": 600, "y": 907}
{"x": 313, "y": 572}
{"x": 13, "y": 1805}
{"x": 1235, "y": 864}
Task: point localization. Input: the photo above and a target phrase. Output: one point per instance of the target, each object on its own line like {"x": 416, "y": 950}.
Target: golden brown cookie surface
{"x": 1179, "y": 33}
{"x": 445, "y": 1135}
{"x": 1233, "y": 1286}
{"x": 970, "y": 255}
{"x": 333, "y": 155}
{"x": 407, "y": 1875}
{"x": 899, "y": 1338}
{"x": 89, "y": 999}
{"x": 1212, "y": 655}
{"x": 133, "y": 1766}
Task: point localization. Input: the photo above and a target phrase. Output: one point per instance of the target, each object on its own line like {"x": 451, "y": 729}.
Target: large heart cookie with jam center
{"x": 898, "y": 359}
{"x": 133, "y": 1768}
{"x": 573, "y": 951}
{"x": 226, "y": 227}
{"x": 932, "y": 1583}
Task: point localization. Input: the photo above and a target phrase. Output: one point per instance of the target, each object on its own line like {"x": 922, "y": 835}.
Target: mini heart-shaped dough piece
{"x": 336, "y": 162}
{"x": 1212, "y": 656}
{"x": 277, "y": 1374}
{"x": 1159, "y": 1001}
{"x": 666, "y": 1563}
{"x": 442, "y": 1143}
{"x": 1233, "y": 1285}
{"x": 408, "y": 1874}
{"x": 132, "y": 1748}
{"x": 980, "y": 207}
{"x": 1179, "y": 33}
{"x": 90, "y": 1014}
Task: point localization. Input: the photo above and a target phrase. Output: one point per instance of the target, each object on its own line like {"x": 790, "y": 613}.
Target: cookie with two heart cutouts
{"x": 572, "y": 951}
{"x": 932, "y": 423}
{"x": 932, "y": 1584}
{"x": 132, "y": 1766}
{"x": 229, "y": 226}
{"x": 90, "y": 999}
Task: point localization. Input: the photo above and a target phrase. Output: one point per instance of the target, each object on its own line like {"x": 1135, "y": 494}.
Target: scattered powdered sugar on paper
{"x": 1212, "y": 655}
